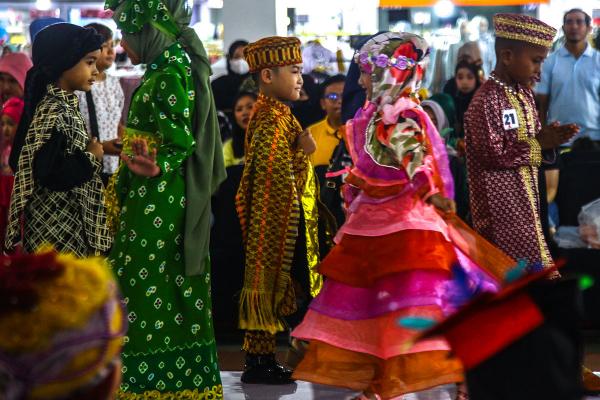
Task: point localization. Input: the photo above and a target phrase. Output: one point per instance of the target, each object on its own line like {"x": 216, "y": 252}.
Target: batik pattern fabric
{"x": 72, "y": 220}
{"x": 277, "y": 185}
{"x": 170, "y": 350}
{"x": 395, "y": 259}
{"x": 503, "y": 171}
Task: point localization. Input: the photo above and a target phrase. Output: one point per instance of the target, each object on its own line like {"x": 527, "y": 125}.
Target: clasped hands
{"x": 553, "y": 135}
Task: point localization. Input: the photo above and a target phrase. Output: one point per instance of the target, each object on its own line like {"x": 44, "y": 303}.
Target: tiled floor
{"x": 231, "y": 361}
{"x": 235, "y": 390}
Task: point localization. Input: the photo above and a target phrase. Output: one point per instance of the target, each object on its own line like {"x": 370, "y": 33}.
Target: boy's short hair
{"x": 339, "y": 78}
{"x": 588, "y": 19}
{"x": 102, "y": 30}
{"x": 510, "y": 44}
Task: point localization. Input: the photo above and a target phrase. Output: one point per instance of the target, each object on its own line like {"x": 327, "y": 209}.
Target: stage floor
{"x": 235, "y": 390}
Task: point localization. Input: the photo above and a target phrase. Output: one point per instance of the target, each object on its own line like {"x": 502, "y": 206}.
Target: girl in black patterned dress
{"x": 57, "y": 198}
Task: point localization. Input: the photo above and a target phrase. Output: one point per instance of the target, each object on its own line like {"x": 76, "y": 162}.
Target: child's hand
{"x": 112, "y": 147}
{"x": 307, "y": 143}
{"x": 442, "y": 203}
{"x": 554, "y": 135}
{"x": 142, "y": 162}
{"x": 461, "y": 148}
{"x": 95, "y": 148}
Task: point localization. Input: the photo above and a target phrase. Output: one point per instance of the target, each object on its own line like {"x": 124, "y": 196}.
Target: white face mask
{"x": 239, "y": 66}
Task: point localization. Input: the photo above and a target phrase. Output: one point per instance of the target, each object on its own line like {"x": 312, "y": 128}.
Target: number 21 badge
{"x": 509, "y": 119}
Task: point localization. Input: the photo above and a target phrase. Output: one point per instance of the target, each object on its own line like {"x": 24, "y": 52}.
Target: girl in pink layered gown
{"x": 397, "y": 262}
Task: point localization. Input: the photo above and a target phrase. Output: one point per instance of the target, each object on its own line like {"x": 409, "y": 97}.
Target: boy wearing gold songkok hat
{"x": 504, "y": 141}
{"x": 276, "y": 204}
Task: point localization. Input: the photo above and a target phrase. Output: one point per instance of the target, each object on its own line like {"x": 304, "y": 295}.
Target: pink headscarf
{"x": 13, "y": 107}
{"x": 16, "y": 65}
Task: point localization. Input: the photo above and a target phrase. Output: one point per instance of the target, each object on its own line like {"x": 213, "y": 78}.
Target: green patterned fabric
{"x": 144, "y": 21}
{"x": 170, "y": 350}
{"x": 132, "y": 15}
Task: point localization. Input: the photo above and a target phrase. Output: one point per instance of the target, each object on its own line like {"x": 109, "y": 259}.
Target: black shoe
{"x": 264, "y": 369}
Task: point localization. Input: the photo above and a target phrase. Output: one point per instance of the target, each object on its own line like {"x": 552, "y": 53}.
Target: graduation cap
{"x": 522, "y": 343}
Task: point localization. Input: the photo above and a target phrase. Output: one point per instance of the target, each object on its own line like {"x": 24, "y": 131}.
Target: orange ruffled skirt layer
{"x": 335, "y": 366}
{"x": 356, "y": 340}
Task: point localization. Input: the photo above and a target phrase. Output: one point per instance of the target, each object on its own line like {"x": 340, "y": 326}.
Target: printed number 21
{"x": 509, "y": 119}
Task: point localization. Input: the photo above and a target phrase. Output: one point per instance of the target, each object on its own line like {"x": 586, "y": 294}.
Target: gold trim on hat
{"x": 548, "y": 30}
{"x": 273, "y": 51}
{"x": 524, "y": 38}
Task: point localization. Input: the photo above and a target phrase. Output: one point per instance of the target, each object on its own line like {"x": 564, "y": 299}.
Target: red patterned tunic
{"x": 503, "y": 157}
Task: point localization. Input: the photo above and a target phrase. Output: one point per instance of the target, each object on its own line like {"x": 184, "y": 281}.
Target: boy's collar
{"x": 268, "y": 101}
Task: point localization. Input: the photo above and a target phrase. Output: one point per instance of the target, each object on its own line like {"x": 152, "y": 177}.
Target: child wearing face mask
{"x": 58, "y": 194}
{"x": 233, "y": 148}
{"x": 226, "y": 87}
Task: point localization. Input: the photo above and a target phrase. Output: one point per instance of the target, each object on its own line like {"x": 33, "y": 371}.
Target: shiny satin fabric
{"x": 329, "y": 365}
{"x": 357, "y": 260}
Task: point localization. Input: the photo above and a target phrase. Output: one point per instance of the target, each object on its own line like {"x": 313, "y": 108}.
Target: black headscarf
{"x": 462, "y": 100}
{"x": 56, "y": 49}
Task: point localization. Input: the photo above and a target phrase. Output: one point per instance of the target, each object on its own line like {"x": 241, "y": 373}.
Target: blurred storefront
{"x": 328, "y": 27}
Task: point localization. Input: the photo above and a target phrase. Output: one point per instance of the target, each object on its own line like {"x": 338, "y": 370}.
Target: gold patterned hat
{"x": 524, "y": 29}
{"x": 274, "y": 51}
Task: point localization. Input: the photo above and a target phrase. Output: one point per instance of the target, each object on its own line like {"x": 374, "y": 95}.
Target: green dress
{"x": 170, "y": 348}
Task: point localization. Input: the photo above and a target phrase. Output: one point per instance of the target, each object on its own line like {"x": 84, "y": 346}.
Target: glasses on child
{"x": 333, "y": 96}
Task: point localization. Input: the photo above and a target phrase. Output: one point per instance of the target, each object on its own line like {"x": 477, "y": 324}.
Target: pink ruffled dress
{"x": 396, "y": 259}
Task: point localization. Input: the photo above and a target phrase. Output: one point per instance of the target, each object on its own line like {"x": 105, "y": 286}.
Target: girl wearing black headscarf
{"x": 226, "y": 87}
{"x": 57, "y": 197}
{"x": 462, "y": 87}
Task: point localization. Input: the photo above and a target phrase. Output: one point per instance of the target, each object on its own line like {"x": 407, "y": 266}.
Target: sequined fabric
{"x": 503, "y": 169}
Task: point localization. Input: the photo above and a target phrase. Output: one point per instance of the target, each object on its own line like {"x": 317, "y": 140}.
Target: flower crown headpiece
{"x": 368, "y": 61}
